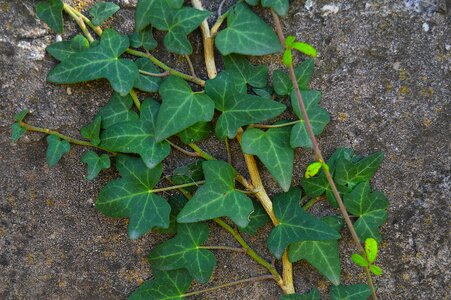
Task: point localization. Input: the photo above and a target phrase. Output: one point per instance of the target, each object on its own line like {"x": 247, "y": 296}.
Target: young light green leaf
{"x": 146, "y": 83}
{"x": 313, "y": 294}
{"x": 247, "y": 34}
{"x": 312, "y": 169}
{"x": 318, "y": 116}
{"x": 256, "y": 76}
{"x": 289, "y": 41}
{"x": 117, "y": 111}
{"x": 92, "y": 131}
{"x": 143, "y": 38}
{"x": 359, "y": 260}
{"x": 64, "y": 49}
{"x": 159, "y": 13}
{"x": 181, "y": 108}
{"x": 21, "y": 115}
{"x": 350, "y": 292}
{"x": 287, "y": 58}
{"x": 218, "y": 197}
{"x": 295, "y": 224}
{"x": 100, "y": 61}
{"x": 371, "y": 249}
{"x": 350, "y": 173}
{"x": 198, "y": 132}
{"x": 282, "y": 83}
{"x": 101, "y": 11}
{"x": 131, "y": 196}
{"x": 95, "y": 163}
{"x": 164, "y": 286}
{"x": 51, "y": 12}
{"x": 184, "y": 251}
{"x": 376, "y": 270}
{"x": 273, "y": 149}
{"x": 17, "y": 132}
{"x": 138, "y": 136}
{"x": 279, "y": 6}
{"x": 305, "y": 48}
{"x": 56, "y": 149}
{"x": 257, "y": 219}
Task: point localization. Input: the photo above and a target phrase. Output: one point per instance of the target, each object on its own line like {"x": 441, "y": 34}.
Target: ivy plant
{"x": 174, "y": 111}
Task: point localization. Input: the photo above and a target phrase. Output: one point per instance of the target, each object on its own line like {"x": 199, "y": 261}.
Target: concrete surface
{"x": 384, "y": 72}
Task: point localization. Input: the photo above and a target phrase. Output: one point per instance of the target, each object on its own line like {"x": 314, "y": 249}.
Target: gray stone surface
{"x": 384, "y": 73}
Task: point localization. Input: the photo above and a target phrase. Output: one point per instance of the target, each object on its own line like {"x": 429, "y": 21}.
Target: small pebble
{"x": 426, "y": 27}
{"x": 329, "y": 9}
{"x": 69, "y": 91}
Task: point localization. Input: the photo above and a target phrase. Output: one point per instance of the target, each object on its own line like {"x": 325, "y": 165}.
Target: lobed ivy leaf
{"x": 257, "y": 219}
{"x": 256, "y": 76}
{"x": 146, "y": 83}
{"x": 295, "y": 224}
{"x": 323, "y": 255}
{"x": 95, "y": 163}
{"x": 318, "y": 116}
{"x": 181, "y": 108}
{"x": 237, "y": 107}
{"x": 138, "y": 136}
{"x": 165, "y": 285}
{"x": 17, "y": 132}
{"x": 198, "y": 132}
{"x": 273, "y": 148}
{"x": 282, "y": 83}
{"x": 185, "y": 251}
{"x": 159, "y": 13}
{"x": 64, "y": 49}
{"x": 56, "y": 149}
{"x": 131, "y": 196}
{"x": 101, "y": 11}
{"x": 143, "y": 38}
{"x": 350, "y": 292}
{"x": 313, "y": 294}
{"x": 51, "y": 12}
{"x": 117, "y": 110}
{"x": 247, "y": 34}
{"x": 350, "y": 173}
{"x": 92, "y": 131}
{"x": 99, "y": 61}
{"x": 218, "y": 197}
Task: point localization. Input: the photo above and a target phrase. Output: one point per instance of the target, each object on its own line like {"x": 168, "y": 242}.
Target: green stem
{"x": 96, "y": 29}
{"x": 135, "y": 99}
{"x": 223, "y": 248}
{"x": 201, "y": 152}
{"x": 80, "y": 21}
{"x": 229, "y": 153}
{"x": 176, "y": 187}
{"x": 193, "y": 154}
{"x": 164, "y": 74}
{"x": 312, "y": 202}
{"x": 277, "y": 125}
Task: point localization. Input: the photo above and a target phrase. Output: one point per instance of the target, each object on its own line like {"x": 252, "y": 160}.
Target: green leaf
{"x": 282, "y": 83}
{"x": 92, "y": 131}
{"x": 138, "y": 136}
{"x": 350, "y": 292}
{"x": 95, "y": 163}
{"x": 21, "y": 115}
{"x": 323, "y": 255}
{"x": 99, "y": 61}
{"x": 64, "y": 49}
{"x": 318, "y": 116}
{"x": 313, "y": 294}
{"x": 287, "y": 58}
{"x": 257, "y": 219}
{"x": 371, "y": 249}
{"x": 146, "y": 83}
{"x": 252, "y": 2}
{"x": 218, "y": 197}
{"x": 368, "y": 224}
{"x": 164, "y": 286}
{"x": 159, "y": 13}
{"x": 17, "y": 132}
{"x": 376, "y": 270}
{"x": 237, "y": 107}
{"x": 295, "y": 224}
{"x": 184, "y": 251}
{"x": 198, "y": 132}
{"x": 247, "y": 34}
{"x": 189, "y": 173}
{"x": 289, "y": 41}
{"x": 279, "y": 6}
{"x": 256, "y": 76}
{"x": 131, "y": 196}
{"x": 312, "y": 169}
{"x": 56, "y": 149}
{"x": 264, "y": 92}
{"x": 101, "y": 11}
{"x": 51, "y": 12}
{"x": 305, "y": 48}
{"x": 350, "y": 173}
{"x": 177, "y": 202}
{"x": 143, "y": 38}
{"x": 181, "y": 108}
{"x": 117, "y": 111}
{"x": 273, "y": 149}
{"x": 359, "y": 260}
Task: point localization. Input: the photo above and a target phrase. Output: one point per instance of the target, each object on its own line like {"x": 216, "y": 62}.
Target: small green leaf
{"x": 159, "y": 13}
{"x": 164, "y": 286}
{"x": 312, "y": 169}
{"x": 17, "y": 132}
{"x": 92, "y": 131}
{"x": 265, "y": 92}
{"x": 350, "y": 292}
{"x": 257, "y": 219}
{"x": 218, "y": 197}
{"x": 252, "y": 2}
{"x": 287, "y": 58}
{"x": 256, "y": 76}
{"x": 279, "y": 6}
{"x": 64, "y": 49}
{"x": 305, "y": 48}
{"x": 177, "y": 202}
{"x": 350, "y": 173}
{"x": 247, "y": 34}
{"x": 56, "y": 149}
{"x": 189, "y": 173}
{"x": 117, "y": 111}
{"x": 184, "y": 251}
{"x": 95, "y": 163}
{"x": 146, "y": 83}
{"x": 101, "y": 11}
{"x": 376, "y": 270}
{"x": 143, "y": 38}
{"x": 289, "y": 41}
{"x": 181, "y": 108}
{"x": 21, "y": 115}
{"x": 51, "y": 12}
{"x": 359, "y": 260}
{"x": 282, "y": 83}
{"x": 371, "y": 249}
{"x": 313, "y": 294}
{"x": 198, "y": 132}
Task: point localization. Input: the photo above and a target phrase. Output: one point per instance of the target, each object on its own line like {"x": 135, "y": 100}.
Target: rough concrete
{"x": 384, "y": 73}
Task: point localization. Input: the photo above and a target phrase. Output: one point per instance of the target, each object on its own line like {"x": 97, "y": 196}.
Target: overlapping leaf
{"x": 350, "y": 292}
{"x": 95, "y": 163}
{"x": 99, "y": 61}
{"x": 311, "y": 295}
{"x": 143, "y": 38}
{"x": 117, "y": 110}
{"x": 147, "y": 83}
{"x": 102, "y": 11}
{"x": 64, "y": 49}
{"x": 218, "y": 197}
{"x": 92, "y": 131}
{"x": 51, "y": 12}
{"x": 184, "y": 251}
{"x": 282, "y": 83}
{"x": 256, "y": 76}
{"x": 295, "y": 224}
{"x": 198, "y": 132}
{"x": 257, "y": 219}
{"x": 246, "y": 33}
{"x": 132, "y": 196}
{"x": 177, "y": 202}
{"x": 56, "y": 149}
{"x": 138, "y": 136}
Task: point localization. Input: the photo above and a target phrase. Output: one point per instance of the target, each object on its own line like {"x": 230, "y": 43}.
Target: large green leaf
{"x": 350, "y": 292}
{"x": 311, "y": 295}
{"x": 318, "y": 116}
{"x": 257, "y": 219}
{"x": 256, "y": 76}
{"x": 164, "y": 286}
{"x": 279, "y": 6}
{"x": 218, "y": 197}
{"x": 237, "y": 107}
{"x": 95, "y": 163}
{"x": 102, "y": 11}
{"x": 132, "y": 196}
{"x": 181, "y": 108}
{"x": 118, "y": 110}
{"x": 282, "y": 83}
{"x": 184, "y": 251}
{"x": 92, "y": 131}
{"x": 51, "y": 12}
{"x": 56, "y": 149}
{"x": 138, "y": 136}
{"x": 323, "y": 255}
{"x": 159, "y": 13}
{"x": 246, "y": 33}
{"x": 64, "y": 49}
{"x": 99, "y": 61}
{"x": 369, "y": 207}
{"x": 350, "y": 173}
{"x": 146, "y": 83}
{"x": 295, "y": 224}
{"x": 273, "y": 149}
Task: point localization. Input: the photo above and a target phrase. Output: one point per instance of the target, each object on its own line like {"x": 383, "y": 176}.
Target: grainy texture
{"x": 384, "y": 73}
